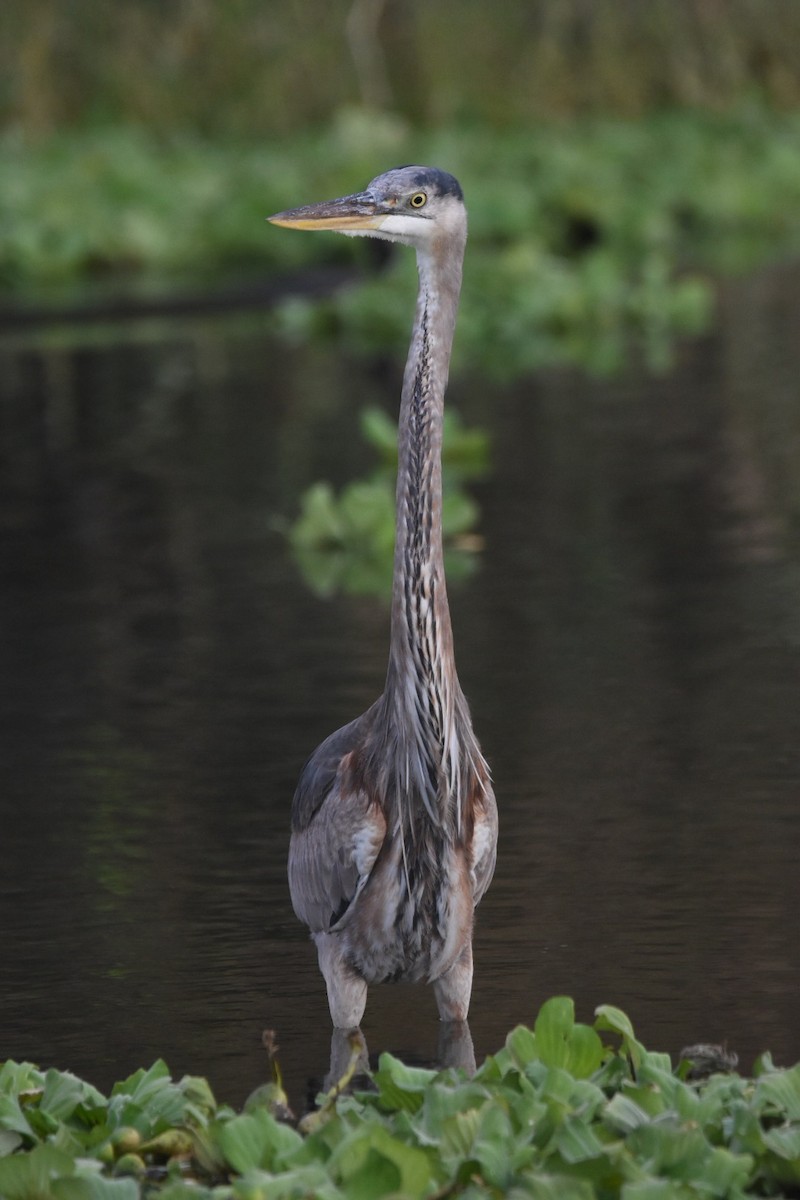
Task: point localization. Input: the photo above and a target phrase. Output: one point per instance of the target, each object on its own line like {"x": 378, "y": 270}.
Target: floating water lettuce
{"x": 563, "y": 1111}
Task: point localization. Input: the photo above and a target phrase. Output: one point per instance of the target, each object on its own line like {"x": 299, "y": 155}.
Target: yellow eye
{"x": 418, "y": 199}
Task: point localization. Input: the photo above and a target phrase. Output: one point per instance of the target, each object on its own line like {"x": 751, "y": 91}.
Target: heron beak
{"x": 358, "y": 211}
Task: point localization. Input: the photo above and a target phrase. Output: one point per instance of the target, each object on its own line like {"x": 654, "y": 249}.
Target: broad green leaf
{"x": 370, "y": 1162}
{"x": 493, "y": 1145}
{"x": 142, "y": 1082}
{"x": 43, "y": 1124}
{"x": 653, "y": 1078}
{"x": 784, "y": 1141}
{"x": 64, "y": 1093}
{"x": 443, "y": 1100}
{"x": 71, "y": 1139}
{"x": 91, "y": 1186}
{"x": 552, "y": 1030}
{"x": 13, "y": 1119}
{"x": 764, "y": 1064}
{"x": 150, "y": 1100}
{"x": 257, "y": 1140}
{"x": 650, "y": 1098}
{"x": 457, "y": 1135}
{"x": 521, "y": 1045}
{"x": 308, "y": 1181}
{"x": 540, "y": 1186}
{"x": 667, "y": 1149}
{"x": 558, "y": 1086}
{"x": 198, "y": 1094}
{"x": 576, "y": 1141}
{"x": 16, "y": 1077}
{"x": 614, "y": 1019}
{"x": 9, "y": 1141}
{"x": 585, "y": 1051}
{"x": 588, "y": 1097}
{"x": 560, "y": 1042}
{"x": 609, "y": 1017}
{"x": 187, "y": 1189}
{"x": 528, "y": 1109}
{"x": 654, "y": 1189}
{"x": 657, "y": 1062}
{"x": 30, "y": 1176}
{"x": 376, "y": 1175}
{"x": 399, "y": 1086}
{"x": 623, "y": 1114}
{"x": 780, "y": 1090}
{"x": 724, "y": 1173}
{"x": 742, "y": 1129}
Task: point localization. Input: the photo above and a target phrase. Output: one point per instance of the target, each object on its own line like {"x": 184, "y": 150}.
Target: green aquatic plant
{"x": 586, "y": 239}
{"x": 346, "y": 542}
{"x": 563, "y": 1110}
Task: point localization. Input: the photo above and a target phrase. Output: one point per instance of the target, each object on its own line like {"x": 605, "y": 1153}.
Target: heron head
{"x": 412, "y": 205}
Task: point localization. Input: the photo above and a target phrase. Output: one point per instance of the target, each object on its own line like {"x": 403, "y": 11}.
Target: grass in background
{"x": 246, "y": 68}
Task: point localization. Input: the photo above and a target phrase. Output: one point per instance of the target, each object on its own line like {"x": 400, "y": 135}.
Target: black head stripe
{"x": 440, "y": 183}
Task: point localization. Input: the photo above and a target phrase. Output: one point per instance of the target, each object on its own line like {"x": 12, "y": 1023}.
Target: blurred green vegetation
{"x": 143, "y": 145}
{"x": 580, "y": 235}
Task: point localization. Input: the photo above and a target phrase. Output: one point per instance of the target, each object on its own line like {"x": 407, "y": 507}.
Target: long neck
{"x": 422, "y": 685}
{"x": 425, "y": 755}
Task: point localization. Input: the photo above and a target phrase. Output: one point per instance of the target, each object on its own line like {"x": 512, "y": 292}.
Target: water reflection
{"x": 630, "y": 645}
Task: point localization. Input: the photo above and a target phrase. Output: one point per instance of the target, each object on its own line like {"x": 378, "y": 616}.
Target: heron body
{"x": 394, "y": 821}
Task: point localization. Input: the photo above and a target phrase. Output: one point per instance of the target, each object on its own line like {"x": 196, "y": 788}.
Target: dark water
{"x": 630, "y": 645}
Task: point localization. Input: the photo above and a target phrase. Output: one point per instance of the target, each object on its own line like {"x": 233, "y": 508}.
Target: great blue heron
{"x": 394, "y": 821}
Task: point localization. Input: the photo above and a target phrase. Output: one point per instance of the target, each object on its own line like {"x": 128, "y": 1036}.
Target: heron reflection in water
{"x": 394, "y": 821}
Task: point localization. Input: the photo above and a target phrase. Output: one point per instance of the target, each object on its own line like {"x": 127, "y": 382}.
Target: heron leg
{"x": 455, "y": 1048}
{"x": 346, "y": 1044}
{"x": 347, "y": 991}
{"x": 453, "y": 989}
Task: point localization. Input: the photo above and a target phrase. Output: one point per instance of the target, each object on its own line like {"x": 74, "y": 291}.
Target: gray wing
{"x": 337, "y": 829}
